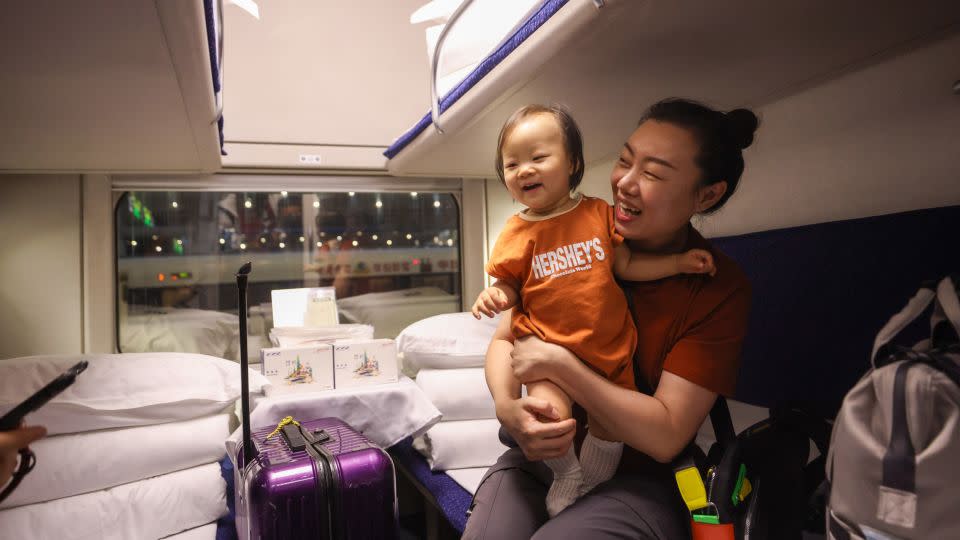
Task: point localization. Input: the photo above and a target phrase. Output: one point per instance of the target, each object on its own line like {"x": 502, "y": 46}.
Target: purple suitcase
{"x": 321, "y": 479}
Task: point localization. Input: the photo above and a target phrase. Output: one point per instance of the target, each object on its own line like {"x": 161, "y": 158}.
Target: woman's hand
{"x": 10, "y": 444}
{"x": 533, "y": 359}
{"x": 529, "y": 421}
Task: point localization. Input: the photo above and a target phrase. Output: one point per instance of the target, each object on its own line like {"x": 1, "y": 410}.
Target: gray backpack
{"x": 894, "y": 459}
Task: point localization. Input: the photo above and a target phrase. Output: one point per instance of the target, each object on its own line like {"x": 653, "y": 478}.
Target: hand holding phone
{"x": 14, "y": 440}
{"x": 11, "y": 443}
{"x": 14, "y": 417}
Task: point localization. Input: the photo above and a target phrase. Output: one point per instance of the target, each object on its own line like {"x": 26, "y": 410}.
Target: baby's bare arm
{"x": 631, "y": 266}
{"x": 494, "y": 299}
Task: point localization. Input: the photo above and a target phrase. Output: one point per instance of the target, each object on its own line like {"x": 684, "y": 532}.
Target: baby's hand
{"x": 697, "y": 261}
{"x": 490, "y": 302}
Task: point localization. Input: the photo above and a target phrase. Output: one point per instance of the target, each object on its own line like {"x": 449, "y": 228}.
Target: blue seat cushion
{"x": 822, "y": 292}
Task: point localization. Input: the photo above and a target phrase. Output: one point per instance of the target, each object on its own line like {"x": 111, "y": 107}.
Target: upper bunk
{"x": 109, "y": 86}
{"x": 608, "y": 60}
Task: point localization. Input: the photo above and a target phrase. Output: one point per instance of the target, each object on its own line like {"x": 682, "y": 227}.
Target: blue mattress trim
{"x": 452, "y": 499}
{"x": 226, "y": 528}
{"x": 547, "y": 10}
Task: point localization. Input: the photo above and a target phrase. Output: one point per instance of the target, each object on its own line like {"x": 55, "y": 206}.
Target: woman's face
{"x": 655, "y": 186}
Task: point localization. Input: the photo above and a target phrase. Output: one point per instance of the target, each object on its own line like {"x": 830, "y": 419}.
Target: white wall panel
{"x": 40, "y": 270}
{"x": 880, "y": 140}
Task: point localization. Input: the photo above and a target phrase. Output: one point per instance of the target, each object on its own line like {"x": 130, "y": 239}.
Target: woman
{"x": 683, "y": 159}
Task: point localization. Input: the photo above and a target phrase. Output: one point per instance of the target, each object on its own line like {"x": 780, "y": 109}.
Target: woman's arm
{"x": 633, "y": 266}
{"x": 659, "y": 426}
{"x": 520, "y": 416}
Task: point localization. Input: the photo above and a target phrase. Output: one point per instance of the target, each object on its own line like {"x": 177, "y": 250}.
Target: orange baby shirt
{"x": 562, "y": 266}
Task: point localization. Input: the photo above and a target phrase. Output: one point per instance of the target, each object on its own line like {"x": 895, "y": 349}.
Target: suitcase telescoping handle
{"x": 242, "y": 275}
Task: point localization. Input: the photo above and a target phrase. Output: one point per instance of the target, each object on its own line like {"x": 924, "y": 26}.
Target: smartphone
{"x": 12, "y": 419}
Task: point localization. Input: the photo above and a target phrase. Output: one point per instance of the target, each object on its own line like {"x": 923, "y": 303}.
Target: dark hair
{"x": 722, "y": 138}
{"x": 572, "y": 140}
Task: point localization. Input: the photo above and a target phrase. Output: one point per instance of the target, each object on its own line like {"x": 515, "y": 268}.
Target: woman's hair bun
{"x": 742, "y": 124}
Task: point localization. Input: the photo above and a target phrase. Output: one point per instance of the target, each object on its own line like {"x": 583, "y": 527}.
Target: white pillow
{"x": 463, "y": 444}
{"x": 459, "y": 394}
{"x": 451, "y": 340}
{"x": 120, "y": 390}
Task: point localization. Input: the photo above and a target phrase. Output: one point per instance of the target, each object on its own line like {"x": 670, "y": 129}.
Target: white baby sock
{"x": 567, "y": 478}
{"x": 599, "y": 459}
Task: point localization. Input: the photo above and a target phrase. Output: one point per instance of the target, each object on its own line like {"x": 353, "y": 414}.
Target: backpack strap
{"x": 898, "y": 499}
{"x": 899, "y": 462}
{"x": 945, "y": 321}
{"x": 917, "y": 305}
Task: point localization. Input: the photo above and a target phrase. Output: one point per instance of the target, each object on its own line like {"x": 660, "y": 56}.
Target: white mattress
{"x": 85, "y": 462}
{"x": 469, "y": 479}
{"x": 462, "y": 444}
{"x": 203, "y": 532}
{"x": 147, "y": 510}
{"x": 480, "y": 29}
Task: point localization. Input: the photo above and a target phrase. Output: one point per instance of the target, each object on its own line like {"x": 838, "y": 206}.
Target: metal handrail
{"x": 434, "y": 99}
{"x": 218, "y": 96}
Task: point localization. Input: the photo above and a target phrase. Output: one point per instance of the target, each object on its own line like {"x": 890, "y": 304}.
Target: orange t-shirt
{"x": 693, "y": 325}
{"x": 562, "y": 267}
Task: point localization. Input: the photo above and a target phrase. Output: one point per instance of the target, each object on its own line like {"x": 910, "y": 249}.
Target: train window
{"x": 393, "y": 258}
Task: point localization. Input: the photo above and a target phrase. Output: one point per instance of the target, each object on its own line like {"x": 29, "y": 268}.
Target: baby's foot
{"x": 599, "y": 460}
{"x": 564, "y": 491}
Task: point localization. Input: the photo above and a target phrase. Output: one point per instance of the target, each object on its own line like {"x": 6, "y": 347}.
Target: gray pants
{"x": 636, "y": 503}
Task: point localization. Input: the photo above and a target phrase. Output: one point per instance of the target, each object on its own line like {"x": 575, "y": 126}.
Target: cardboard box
{"x": 364, "y": 362}
{"x": 290, "y": 371}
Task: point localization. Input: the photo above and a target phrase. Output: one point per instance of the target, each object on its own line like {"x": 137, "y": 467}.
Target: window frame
{"x": 472, "y": 230}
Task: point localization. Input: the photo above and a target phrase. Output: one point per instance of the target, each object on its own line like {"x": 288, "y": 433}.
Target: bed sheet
{"x": 469, "y": 479}
{"x": 384, "y": 413}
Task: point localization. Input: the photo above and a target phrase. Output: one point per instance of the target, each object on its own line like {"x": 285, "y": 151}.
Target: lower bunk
{"x": 820, "y": 294}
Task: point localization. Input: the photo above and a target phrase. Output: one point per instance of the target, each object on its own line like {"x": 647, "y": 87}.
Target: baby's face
{"x": 536, "y": 167}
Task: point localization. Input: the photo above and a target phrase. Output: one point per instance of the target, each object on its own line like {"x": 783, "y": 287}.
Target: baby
{"x": 556, "y": 264}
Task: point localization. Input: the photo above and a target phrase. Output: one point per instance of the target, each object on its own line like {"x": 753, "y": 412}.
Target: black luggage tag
{"x": 294, "y": 439}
